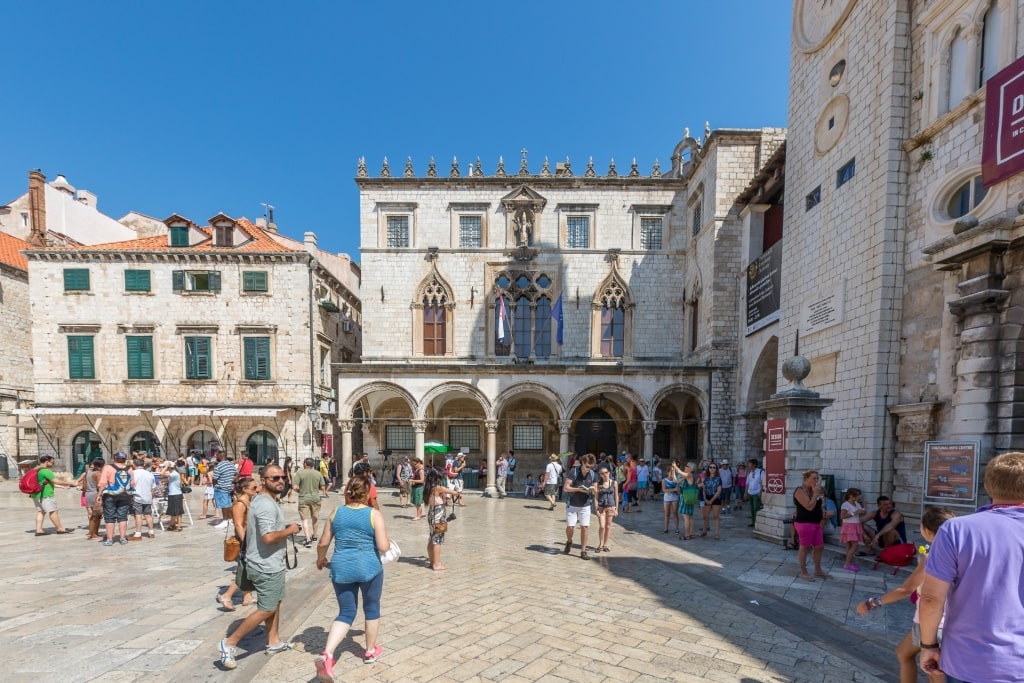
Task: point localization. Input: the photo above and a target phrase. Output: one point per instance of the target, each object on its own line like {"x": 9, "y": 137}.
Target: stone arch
{"x": 346, "y": 410}
{"x": 764, "y": 376}
{"x": 683, "y": 388}
{"x": 638, "y": 401}
{"x": 547, "y": 394}
{"x": 457, "y": 387}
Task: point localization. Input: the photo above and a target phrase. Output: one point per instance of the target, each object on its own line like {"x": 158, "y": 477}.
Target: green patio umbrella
{"x": 434, "y": 447}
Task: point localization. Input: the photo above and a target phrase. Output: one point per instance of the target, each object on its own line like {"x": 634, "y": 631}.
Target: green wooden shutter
{"x": 178, "y": 280}
{"x": 140, "y": 357}
{"x": 179, "y": 236}
{"x": 197, "y": 357}
{"x": 254, "y": 281}
{"x": 136, "y": 280}
{"x": 214, "y": 276}
{"x": 80, "y": 361}
{"x": 76, "y": 279}
{"x": 257, "y": 358}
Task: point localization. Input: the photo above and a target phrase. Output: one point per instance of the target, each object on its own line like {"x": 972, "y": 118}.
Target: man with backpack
{"x": 117, "y": 486}
{"x": 38, "y": 482}
{"x": 403, "y": 473}
{"x": 552, "y": 475}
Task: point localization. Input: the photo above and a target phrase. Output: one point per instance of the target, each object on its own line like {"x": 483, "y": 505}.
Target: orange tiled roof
{"x": 10, "y": 251}
{"x": 260, "y": 242}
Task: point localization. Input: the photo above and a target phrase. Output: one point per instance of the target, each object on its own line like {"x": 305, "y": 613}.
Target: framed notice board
{"x": 951, "y": 473}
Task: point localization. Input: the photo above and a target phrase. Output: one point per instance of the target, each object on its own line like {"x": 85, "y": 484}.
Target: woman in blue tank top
{"x": 359, "y": 536}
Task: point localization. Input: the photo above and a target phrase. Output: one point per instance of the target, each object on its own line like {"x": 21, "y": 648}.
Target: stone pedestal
{"x": 801, "y": 408}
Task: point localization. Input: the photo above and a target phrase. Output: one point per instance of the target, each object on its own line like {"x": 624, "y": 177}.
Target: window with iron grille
{"x": 399, "y": 438}
{"x": 527, "y": 437}
{"x": 577, "y": 232}
{"x": 650, "y": 232}
{"x": 464, "y": 436}
{"x": 470, "y": 231}
{"x": 398, "y": 231}
{"x": 698, "y": 214}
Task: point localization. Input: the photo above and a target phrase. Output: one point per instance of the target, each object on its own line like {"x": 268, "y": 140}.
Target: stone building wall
{"x": 15, "y": 364}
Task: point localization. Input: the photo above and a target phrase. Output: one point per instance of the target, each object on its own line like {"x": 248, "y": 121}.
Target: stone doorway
{"x": 595, "y": 433}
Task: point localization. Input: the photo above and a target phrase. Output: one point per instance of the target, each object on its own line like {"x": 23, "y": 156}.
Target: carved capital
{"x": 564, "y": 426}
{"x": 650, "y": 427}
{"x": 419, "y": 426}
{"x": 346, "y": 425}
{"x": 491, "y": 426}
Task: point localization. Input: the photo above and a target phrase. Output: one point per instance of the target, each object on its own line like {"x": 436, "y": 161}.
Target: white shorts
{"x": 577, "y": 516}
{"x": 455, "y": 484}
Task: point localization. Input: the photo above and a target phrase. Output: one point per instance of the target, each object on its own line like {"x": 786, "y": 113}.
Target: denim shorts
{"x": 116, "y": 509}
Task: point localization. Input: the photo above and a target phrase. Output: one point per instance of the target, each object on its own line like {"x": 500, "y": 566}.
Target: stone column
{"x": 801, "y": 408}
{"x": 649, "y": 428}
{"x": 492, "y": 427}
{"x": 419, "y": 426}
{"x": 346, "y": 427}
{"x": 563, "y": 435}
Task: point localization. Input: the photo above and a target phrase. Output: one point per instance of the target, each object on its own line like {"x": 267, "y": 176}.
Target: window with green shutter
{"x": 195, "y": 280}
{"x": 179, "y": 236}
{"x": 136, "y": 281}
{"x": 254, "y": 281}
{"x": 80, "y": 360}
{"x": 257, "y": 357}
{"x": 76, "y": 279}
{"x": 140, "y": 357}
{"x": 197, "y": 358}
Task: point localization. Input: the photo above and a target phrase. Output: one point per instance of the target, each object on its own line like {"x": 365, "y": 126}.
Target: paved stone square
{"x": 511, "y": 607}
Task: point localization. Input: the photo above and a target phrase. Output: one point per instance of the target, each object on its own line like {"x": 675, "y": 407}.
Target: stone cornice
{"x": 184, "y": 256}
{"x": 514, "y": 181}
{"x": 505, "y": 366}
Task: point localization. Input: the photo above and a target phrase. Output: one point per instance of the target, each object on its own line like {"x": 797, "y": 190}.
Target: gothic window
{"x": 988, "y": 63}
{"x": 697, "y": 210}
{"x": 612, "y": 317}
{"x": 522, "y": 314}
{"x": 956, "y": 67}
{"x": 435, "y": 315}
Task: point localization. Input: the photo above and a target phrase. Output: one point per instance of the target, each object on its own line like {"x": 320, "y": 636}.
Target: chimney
{"x": 37, "y": 208}
{"x": 61, "y": 183}
{"x": 87, "y": 198}
{"x": 309, "y": 242}
{"x": 261, "y": 223}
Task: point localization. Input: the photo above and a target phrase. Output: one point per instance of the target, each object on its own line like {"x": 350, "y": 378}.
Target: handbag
{"x": 231, "y": 548}
{"x": 440, "y": 527}
{"x": 689, "y": 495}
{"x": 185, "y": 488}
{"x": 84, "y": 503}
{"x": 391, "y": 554}
{"x": 295, "y": 555}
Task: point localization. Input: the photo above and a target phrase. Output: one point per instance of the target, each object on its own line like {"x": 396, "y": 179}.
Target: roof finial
{"x": 455, "y": 173}
{"x": 361, "y": 168}
{"x": 432, "y": 169}
{"x": 408, "y": 172}
{"x": 523, "y": 170}
{"x": 385, "y": 169}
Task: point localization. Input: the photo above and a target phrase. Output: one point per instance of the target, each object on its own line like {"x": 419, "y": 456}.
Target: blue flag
{"x": 556, "y": 313}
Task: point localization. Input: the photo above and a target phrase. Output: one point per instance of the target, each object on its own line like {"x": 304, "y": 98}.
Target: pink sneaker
{"x": 371, "y": 656}
{"x": 852, "y": 568}
{"x": 324, "y": 668}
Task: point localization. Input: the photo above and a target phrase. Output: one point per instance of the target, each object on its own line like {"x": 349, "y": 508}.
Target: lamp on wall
{"x": 600, "y": 401}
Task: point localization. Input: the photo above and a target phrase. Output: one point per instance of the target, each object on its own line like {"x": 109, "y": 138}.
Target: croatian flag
{"x": 501, "y": 318}
{"x": 556, "y": 313}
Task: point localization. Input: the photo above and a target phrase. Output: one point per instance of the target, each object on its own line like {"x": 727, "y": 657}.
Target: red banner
{"x": 1002, "y": 153}
{"x": 775, "y": 456}
{"x": 327, "y": 444}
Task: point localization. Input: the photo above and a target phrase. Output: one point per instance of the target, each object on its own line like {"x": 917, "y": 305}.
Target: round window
{"x": 965, "y": 198}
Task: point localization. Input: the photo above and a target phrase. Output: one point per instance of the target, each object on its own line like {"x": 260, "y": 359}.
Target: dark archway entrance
{"x": 595, "y": 432}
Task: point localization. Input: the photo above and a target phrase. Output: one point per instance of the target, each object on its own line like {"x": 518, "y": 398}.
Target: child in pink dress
{"x": 852, "y": 534}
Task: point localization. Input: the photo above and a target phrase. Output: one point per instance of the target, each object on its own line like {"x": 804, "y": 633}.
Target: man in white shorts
{"x": 580, "y": 484}
{"x": 550, "y": 481}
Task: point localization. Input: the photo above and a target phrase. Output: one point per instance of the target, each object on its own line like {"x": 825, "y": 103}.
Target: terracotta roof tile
{"x": 10, "y": 251}
{"x": 260, "y": 242}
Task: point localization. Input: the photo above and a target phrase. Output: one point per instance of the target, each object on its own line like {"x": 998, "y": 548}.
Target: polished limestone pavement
{"x": 511, "y": 606}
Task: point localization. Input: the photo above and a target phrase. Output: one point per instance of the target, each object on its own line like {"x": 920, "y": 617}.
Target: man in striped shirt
{"x": 224, "y": 473}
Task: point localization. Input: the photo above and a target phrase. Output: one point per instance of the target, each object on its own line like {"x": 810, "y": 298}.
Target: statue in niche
{"x": 523, "y": 228}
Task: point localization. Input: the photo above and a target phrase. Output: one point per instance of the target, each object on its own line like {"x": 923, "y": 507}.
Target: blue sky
{"x": 200, "y": 107}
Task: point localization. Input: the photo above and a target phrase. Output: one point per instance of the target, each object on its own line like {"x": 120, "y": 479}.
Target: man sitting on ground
{"x": 889, "y": 528}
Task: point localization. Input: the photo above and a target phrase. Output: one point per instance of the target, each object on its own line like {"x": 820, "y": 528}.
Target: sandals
{"x": 605, "y": 549}
{"x": 703, "y": 534}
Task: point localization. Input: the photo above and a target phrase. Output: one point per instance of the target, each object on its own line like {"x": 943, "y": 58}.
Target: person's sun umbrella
{"x": 435, "y": 447}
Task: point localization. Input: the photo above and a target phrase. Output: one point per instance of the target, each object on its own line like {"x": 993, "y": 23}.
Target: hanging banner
{"x": 764, "y": 289}
{"x": 775, "y": 456}
{"x": 327, "y": 444}
{"x": 1002, "y": 152}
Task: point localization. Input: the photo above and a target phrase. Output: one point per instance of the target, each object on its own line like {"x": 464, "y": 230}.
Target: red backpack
{"x": 896, "y": 556}
{"x": 29, "y": 483}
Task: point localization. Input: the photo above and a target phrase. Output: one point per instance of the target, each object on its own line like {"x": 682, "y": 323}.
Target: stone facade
{"x": 898, "y": 272}
{"x": 16, "y": 442}
{"x": 466, "y": 246}
{"x": 228, "y": 340}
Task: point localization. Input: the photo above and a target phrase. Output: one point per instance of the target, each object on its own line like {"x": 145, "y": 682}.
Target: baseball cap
{"x": 120, "y": 455}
